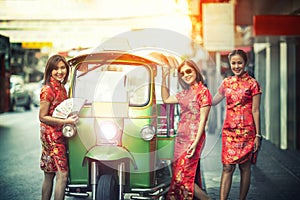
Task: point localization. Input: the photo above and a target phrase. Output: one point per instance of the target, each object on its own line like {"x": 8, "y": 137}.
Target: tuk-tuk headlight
{"x": 68, "y": 130}
{"x": 148, "y": 132}
{"x": 109, "y": 130}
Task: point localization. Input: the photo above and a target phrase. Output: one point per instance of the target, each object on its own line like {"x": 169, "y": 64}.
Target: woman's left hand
{"x": 257, "y": 143}
{"x": 191, "y": 150}
{"x": 72, "y": 119}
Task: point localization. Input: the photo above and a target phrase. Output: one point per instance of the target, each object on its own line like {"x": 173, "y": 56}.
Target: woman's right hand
{"x": 165, "y": 72}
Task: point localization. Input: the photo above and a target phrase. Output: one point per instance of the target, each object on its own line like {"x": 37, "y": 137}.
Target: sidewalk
{"x": 276, "y": 176}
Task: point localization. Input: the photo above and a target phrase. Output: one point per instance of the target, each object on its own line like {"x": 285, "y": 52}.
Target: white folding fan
{"x": 68, "y": 106}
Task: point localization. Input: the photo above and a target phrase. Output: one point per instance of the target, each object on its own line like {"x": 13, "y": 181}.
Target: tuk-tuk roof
{"x": 156, "y": 57}
{"x": 111, "y": 57}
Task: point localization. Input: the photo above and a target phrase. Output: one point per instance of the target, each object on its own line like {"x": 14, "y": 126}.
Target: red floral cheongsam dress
{"x": 53, "y": 142}
{"x": 186, "y": 170}
{"x": 238, "y": 132}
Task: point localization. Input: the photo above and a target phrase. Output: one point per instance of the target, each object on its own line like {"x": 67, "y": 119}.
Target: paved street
{"x": 20, "y": 176}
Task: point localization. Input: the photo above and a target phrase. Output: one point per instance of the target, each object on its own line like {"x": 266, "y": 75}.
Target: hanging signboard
{"x": 218, "y": 26}
{"x": 36, "y": 45}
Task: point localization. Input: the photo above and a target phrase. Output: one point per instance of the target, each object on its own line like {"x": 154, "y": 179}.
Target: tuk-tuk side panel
{"x": 166, "y": 133}
{"x": 84, "y": 129}
{"x": 78, "y": 174}
{"x": 141, "y": 180}
{"x": 165, "y": 147}
{"x": 78, "y": 146}
{"x": 162, "y": 116}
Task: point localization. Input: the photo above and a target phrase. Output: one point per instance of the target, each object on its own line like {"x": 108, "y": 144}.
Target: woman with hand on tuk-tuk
{"x": 195, "y": 102}
{"x": 54, "y": 159}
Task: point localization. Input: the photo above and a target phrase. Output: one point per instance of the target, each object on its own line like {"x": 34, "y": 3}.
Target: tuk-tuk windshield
{"x": 113, "y": 83}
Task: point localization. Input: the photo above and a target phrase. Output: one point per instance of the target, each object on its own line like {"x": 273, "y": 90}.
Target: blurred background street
{"x": 20, "y": 174}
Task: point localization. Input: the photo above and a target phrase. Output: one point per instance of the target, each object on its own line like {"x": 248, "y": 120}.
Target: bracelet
{"x": 259, "y": 136}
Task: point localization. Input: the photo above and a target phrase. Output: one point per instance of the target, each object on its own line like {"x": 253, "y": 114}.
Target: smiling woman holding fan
{"x": 53, "y": 159}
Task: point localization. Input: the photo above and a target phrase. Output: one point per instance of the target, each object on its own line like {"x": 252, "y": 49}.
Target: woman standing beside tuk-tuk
{"x": 53, "y": 159}
{"x": 195, "y": 102}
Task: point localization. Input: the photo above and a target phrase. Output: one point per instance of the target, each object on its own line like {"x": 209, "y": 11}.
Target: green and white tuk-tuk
{"x": 123, "y": 144}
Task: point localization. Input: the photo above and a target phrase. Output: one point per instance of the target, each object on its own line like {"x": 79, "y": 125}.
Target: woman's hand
{"x": 165, "y": 94}
{"x": 191, "y": 150}
{"x": 165, "y": 72}
{"x": 257, "y": 143}
{"x": 72, "y": 119}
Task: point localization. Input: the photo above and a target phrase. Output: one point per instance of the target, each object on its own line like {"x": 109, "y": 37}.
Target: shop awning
{"x": 276, "y": 25}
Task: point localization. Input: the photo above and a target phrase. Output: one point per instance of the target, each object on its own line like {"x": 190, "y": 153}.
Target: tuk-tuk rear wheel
{"x": 107, "y": 188}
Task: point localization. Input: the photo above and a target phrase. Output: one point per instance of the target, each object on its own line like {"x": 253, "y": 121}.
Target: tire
{"x": 107, "y": 188}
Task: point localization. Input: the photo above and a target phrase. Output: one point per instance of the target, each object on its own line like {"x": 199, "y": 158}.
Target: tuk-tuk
{"x": 123, "y": 144}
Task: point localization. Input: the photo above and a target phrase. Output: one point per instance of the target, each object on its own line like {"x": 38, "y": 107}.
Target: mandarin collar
{"x": 242, "y": 77}
{"x": 196, "y": 86}
{"x": 55, "y": 82}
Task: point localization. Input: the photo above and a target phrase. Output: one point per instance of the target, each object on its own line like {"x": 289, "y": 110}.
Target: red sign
{"x": 275, "y": 25}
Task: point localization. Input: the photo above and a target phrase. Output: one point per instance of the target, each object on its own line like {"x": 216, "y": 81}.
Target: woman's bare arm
{"x": 217, "y": 99}
{"x": 204, "y": 111}
{"x": 165, "y": 93}
{"x": 256, "y": 118}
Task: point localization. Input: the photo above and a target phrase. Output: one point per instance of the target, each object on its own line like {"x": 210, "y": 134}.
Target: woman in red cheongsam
{"x": 241, "y": 137}
{"x": 53, "y": 159}
{"x": 195, "y": 102}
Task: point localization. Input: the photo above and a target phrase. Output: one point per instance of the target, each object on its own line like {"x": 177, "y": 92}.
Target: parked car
{"x": 19, "y": 95}
{"x": 35, "y": 93}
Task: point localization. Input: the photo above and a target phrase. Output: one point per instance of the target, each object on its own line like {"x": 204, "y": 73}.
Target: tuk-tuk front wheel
{"x": 107, "y": 188}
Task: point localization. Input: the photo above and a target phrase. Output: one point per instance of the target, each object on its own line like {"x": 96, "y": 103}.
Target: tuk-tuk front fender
{"x": 109, "y": 153}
